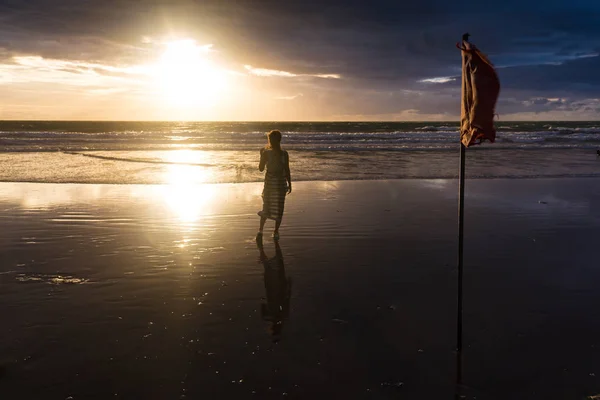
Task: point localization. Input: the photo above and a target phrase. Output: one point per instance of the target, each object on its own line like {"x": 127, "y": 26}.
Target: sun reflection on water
{"x": 186, "y": 192}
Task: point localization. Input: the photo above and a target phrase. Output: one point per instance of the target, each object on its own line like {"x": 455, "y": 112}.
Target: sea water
{"x": 219, "y": 152}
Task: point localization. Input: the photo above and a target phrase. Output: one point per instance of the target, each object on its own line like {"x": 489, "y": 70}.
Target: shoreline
{"x": 417, "y": 178}
{"x": 175, "y": 166}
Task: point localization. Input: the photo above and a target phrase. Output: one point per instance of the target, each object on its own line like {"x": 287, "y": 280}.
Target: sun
{"x": 187, "y": 76}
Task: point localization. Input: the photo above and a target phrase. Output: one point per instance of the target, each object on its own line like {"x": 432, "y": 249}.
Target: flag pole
{"x": 459, "y": 311}
{"x": 461, "y": 213}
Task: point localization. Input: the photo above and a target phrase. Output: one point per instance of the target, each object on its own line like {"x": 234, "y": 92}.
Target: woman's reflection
{"x": 278, "y": 290}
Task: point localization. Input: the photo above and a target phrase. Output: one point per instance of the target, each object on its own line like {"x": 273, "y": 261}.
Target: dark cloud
{"x": 381, "y": 48}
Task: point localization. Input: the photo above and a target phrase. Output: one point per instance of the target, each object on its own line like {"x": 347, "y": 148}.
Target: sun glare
{"x": 188, "y": 77}
{"x": 185, "y": 192}
{"x": 188, "y": 202}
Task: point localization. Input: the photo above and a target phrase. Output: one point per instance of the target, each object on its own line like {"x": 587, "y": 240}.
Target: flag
{"x": 480, "y": 89}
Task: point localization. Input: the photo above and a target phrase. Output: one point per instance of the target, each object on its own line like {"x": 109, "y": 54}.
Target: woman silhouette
{"x": 278, "y": 291}
{"x": 278, "y": 182}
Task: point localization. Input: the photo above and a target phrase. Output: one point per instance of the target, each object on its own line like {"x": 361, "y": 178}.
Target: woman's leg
{"x": 277, "y": 225}
{"x": 262, "y": 224}
{"x": 281, "y": 208}
{"x": 262, "y": 213}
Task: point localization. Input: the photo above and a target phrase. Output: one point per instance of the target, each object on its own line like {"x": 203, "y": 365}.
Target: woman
{"x": 278, "y": 182}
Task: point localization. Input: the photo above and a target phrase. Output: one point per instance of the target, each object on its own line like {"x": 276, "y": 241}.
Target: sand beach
{"x": 157, "y": 291}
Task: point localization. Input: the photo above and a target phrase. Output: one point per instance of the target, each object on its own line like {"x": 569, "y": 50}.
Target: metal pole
{"x": 459, "y": 310}
{"x": 461, "y": 214}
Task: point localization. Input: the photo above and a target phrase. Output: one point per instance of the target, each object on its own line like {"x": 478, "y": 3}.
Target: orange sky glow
{"x": 175, "y": 79}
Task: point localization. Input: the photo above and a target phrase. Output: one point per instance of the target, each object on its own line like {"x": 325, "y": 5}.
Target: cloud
{"x": 73, "y": 66}
{"x": 30, "y": 69}
{"x": 576, "y": 77}
{"x": 350, "y": 57}
{"x": 441, "y": 79}
{"x": 284, "y": 74}
{"x": 268, "y": 72}
{"x": 106, "y": 91}
{"x": 404, "y": 115}
{"x": 289, "y": 97}
{"x": 531, "y": 59}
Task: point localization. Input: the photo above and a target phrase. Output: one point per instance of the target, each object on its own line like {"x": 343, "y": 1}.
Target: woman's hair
{"x": 274, "y": 139}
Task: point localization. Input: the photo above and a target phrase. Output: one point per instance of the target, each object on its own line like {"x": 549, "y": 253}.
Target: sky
{"x": 292, "y": 60}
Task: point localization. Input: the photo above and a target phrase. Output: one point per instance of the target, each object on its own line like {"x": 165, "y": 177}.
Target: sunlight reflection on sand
{"x": 188, "y": 202}
{"x": 186, "y": 193}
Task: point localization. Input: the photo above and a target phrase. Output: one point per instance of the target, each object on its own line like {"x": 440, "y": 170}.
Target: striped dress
{"x": 275, "y": 187}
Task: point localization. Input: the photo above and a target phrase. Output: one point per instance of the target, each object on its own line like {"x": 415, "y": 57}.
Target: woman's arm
{"x": 263, "y": 160}
{"x": 288, "y": 174}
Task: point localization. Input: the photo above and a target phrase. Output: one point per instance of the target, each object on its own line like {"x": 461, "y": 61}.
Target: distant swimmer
{"x": 598, "y": 152}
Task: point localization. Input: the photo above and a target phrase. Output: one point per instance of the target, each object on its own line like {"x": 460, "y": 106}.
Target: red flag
{"x": 480, "y": 89}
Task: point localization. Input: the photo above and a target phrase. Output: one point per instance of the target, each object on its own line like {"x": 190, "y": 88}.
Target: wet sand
{"x": 160, "y": 292}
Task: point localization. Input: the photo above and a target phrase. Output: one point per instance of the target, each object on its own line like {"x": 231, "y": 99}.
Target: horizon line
{"x": 282, "y": 121}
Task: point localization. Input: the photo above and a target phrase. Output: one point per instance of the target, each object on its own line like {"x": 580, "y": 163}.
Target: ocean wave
{"x": 500, "y": 144}
{"x": 443, "y": 128}
{"x": 311, "y": 136}
{"x": 136, "y": 160}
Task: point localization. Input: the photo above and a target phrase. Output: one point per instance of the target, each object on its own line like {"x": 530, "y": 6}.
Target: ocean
{"x": 227, "y": 152}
